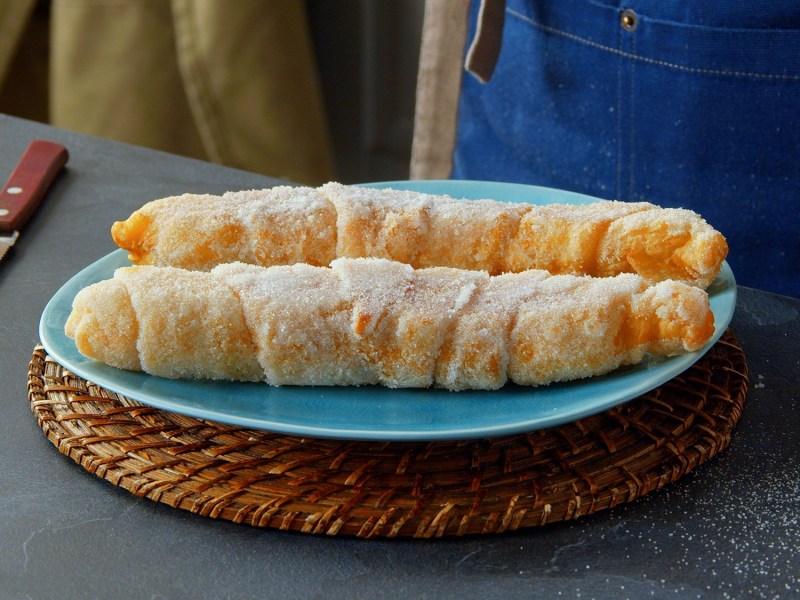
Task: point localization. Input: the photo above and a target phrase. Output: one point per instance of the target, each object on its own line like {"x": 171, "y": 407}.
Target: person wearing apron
{"x": 683, "y": 104}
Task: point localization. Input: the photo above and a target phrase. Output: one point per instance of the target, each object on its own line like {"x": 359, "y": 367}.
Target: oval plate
{"x": 374, "y": 412}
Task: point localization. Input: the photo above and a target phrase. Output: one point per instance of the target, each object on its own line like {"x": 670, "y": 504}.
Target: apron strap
{"x": 485, "y": 47}
{"x": 444, "y": 36}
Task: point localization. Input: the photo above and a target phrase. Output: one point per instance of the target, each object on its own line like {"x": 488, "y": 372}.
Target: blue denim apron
{"x": 684, "y": 104}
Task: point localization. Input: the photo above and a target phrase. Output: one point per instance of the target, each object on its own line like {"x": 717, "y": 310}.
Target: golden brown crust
{"x": 375, "y": 321}
{"x": 286, "y": 225}
{"x": 103, "y": 323}
{"x": 279, "y": 226}
{"x": 677, "y": 245}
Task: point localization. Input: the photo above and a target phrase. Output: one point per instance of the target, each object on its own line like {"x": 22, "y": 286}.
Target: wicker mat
{"x": 388, "y": 489}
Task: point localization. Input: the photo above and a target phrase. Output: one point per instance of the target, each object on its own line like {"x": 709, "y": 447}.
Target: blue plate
{"x": 373, "y": 412}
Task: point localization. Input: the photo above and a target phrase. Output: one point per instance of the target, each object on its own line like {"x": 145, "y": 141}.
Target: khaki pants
{"x": 230, "y": 82}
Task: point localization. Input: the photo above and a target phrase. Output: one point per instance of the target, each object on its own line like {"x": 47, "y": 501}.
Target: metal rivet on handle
{"x": 14, "y": 190}
{"x": 3, "y": 212}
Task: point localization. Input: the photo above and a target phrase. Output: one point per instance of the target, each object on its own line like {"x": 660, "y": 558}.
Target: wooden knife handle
{"x": 25, "y": 189}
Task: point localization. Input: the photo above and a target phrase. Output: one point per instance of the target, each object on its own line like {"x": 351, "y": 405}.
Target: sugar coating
{"x": 374, "y": 287}
{"x": 477, "y": 348}
{"x": 195, "y": 328}
{"x": 585, "y": 322}
{"x": 423, "y": 229}
{"x": 287, "y": 225}
{"x": 104, "y": 324}
{"x": 433, "y": 302}
{"x": 375, "y": 321}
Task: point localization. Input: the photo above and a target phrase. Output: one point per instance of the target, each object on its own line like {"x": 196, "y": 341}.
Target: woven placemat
{"x": 388, "y": 489}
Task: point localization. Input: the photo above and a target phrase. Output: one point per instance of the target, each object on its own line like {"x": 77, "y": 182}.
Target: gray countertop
{"x": 730, "y": 529}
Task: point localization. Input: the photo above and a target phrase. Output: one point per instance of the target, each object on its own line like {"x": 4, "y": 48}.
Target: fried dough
{"x": 287, "y": 225}
{"x": 376, "y": 321}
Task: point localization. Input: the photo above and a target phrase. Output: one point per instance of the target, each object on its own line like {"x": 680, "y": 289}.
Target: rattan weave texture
{"x": 388, "y": 489}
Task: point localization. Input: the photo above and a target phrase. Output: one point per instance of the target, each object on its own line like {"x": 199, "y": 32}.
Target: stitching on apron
{"x": 645, "y": 59}
{"x": 631, "y": 129}
{"x": 618, "y": 182}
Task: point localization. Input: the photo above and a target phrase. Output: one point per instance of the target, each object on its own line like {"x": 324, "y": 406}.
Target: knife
{"x": 26, "y": 188}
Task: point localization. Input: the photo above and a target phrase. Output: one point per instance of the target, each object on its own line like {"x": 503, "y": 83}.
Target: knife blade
{"x": 25, "y": 189}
